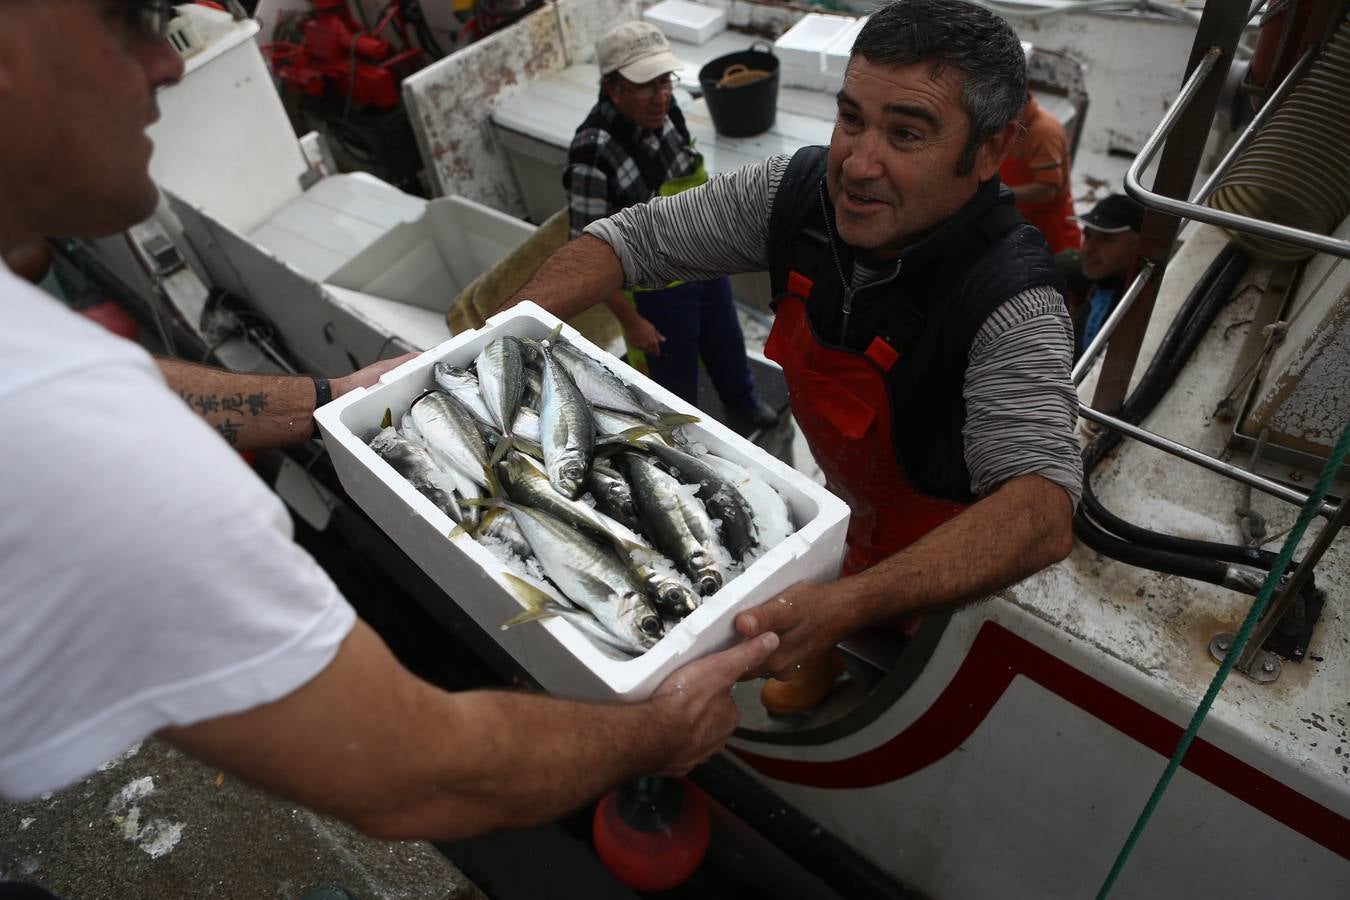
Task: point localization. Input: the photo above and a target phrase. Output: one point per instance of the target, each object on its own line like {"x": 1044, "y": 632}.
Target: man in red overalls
{"x": 920, "y": 325}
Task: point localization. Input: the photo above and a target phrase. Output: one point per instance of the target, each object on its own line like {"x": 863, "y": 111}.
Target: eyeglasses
{"x": 649, "y": 89}
{"x": 145, "y": 19}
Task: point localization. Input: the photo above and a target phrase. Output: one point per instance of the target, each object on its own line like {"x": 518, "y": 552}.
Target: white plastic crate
{"x": 692, "y": 23}
{"x": 555, "y": 653}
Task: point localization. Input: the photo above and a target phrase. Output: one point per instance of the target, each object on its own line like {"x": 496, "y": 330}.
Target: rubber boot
{"x": 806, "y": 690}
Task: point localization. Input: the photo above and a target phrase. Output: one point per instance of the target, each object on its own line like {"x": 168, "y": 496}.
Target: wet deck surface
{"x": 155, "y": 823}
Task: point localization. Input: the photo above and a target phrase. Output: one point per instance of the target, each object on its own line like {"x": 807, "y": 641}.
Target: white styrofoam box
{"x": 555, "y": 653}
{"x": 801, "y": 49}
{"x": 692, "y": 23}
{"x": 808, "y": 78}
{"x": 838, "y": 52}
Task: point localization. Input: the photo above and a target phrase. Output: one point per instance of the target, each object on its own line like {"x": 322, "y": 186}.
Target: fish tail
{"x": 671, "y": 421}
{"x": 494, "y": 484}
{"x": 538, "y": 604}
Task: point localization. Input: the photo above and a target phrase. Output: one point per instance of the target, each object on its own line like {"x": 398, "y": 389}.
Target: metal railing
{"x": 1094, "y": 349}
{"x": 1337, "y": 515}
{"x": 1193, "y": 209}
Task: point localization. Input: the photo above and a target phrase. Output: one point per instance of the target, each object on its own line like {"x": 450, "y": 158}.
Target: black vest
{"x": 948, "y": 284}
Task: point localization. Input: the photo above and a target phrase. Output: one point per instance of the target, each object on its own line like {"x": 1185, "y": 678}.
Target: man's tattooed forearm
{"x": 214, "y": 403}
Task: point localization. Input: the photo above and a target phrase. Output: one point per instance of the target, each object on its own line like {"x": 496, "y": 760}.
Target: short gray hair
{"x": 955, "y": 33}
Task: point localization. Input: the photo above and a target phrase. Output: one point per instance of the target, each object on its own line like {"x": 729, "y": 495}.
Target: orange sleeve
{"x": 1046, "y": 151}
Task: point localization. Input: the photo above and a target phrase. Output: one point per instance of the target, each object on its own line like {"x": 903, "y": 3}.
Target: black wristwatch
{"x": 323, "y": 393}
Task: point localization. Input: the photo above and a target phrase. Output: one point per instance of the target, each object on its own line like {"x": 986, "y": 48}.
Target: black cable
{"x": 1117, "y": 538}
{"x": 1182, "y": 564}
{"x": 1240, "y": 554}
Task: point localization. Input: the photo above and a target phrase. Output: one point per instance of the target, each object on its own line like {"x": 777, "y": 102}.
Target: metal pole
{"x": 1216, "y": 37}
{"x": 1274, "y": 488}
{"x": 1257, "y": 123}
{"x": 1080, "y": 368}
{"x": 1291, "y": 588}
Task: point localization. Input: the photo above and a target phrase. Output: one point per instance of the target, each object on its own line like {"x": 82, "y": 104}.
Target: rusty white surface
{"x": 1302, "y": 397}
{"x": 451, "y": 102}
{"x": 1161, "y": 625}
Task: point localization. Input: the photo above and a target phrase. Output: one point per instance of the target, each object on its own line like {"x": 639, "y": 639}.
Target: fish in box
{"x": 714, "y": 485}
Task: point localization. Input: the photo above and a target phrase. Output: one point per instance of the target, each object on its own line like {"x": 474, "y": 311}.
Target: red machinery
{"x": 337, "y": 54}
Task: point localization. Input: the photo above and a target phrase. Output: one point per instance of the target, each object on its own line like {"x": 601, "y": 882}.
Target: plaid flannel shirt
{"x": 601, "y": 176}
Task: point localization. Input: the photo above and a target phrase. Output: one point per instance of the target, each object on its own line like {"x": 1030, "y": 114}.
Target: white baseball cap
{"x": 638, "y": 51}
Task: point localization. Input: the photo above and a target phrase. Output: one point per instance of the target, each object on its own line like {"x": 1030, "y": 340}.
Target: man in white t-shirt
{"x": 151, "y": 584}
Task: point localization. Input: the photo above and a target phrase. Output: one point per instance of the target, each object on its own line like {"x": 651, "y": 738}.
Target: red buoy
{"x": 653, "y": 833}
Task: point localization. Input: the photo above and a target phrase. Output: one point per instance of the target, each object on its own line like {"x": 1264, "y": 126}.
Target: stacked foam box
{"x": 837, "y": 55}
{"x": 692, "y": 23}
{"x": 557, "y": 655}
{"x": 801, "y": 50}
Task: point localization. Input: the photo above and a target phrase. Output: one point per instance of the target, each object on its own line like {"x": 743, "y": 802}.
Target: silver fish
{"x": 527, "y": 484}
{"x": 541, "y": 604}
{"x": 498, "y": 524}
{"x": 501, "y": 378}
{"x": 526, "y": 427}
{"x": 677, "y": 523}
{"x": 450, "y": 433}
{"x": 463, "y": 386}
{"x": 660, "y": 430}
{"x": 773, "y": 516}
{"x": 566, "y": 428}
{"x": 463, "y": 486}
{"x": 534, "y": 380}
{"x": 415, "y": 464}
{"x": 591, "y": 576}
{"x": 601, "y": 386}
{"x": 725, "y": 503}
{"x": 613, "y": 495}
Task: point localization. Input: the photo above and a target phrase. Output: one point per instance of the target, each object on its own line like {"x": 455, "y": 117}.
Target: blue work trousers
{"x": 698, "y": 321}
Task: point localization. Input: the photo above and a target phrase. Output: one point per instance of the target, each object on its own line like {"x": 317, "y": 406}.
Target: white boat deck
{"x": 1161, "y": 625}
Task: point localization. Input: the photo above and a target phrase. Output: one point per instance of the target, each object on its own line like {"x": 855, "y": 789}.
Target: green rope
{"x": 1231, "y": 657}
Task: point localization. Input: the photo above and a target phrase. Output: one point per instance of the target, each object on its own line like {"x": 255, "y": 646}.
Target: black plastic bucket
{"x": 748, "y": 109}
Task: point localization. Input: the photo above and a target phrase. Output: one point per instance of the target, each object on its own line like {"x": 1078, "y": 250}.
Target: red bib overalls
{"x": 842, "y": 404}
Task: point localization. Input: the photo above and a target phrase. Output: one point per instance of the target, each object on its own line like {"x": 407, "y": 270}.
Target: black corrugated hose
{"x": 1112, "y": 536}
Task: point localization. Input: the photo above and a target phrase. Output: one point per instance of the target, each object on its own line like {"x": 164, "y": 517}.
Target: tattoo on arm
{"x": 256, "y": 403}
{"x": 236, "y": 404}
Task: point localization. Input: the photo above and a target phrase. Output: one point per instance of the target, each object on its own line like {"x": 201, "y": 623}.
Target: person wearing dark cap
{"x": 1110, "y": 239}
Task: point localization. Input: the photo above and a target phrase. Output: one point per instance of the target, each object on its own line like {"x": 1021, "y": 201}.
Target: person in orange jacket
{"x": 1038, "y": 173}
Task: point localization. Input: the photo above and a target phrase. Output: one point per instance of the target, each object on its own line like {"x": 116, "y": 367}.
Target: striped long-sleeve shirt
{"x": 1021, "y": 406}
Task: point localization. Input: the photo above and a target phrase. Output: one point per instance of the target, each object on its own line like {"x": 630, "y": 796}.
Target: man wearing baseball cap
{"x": 1110, "y": 239}
{"x": 632, "y": 146}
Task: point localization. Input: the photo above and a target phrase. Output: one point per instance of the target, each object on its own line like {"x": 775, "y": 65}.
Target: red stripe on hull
{"x": 997, "y": 656}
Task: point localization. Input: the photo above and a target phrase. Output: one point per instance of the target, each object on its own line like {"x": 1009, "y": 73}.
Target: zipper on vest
{"x": 844, "y": 282}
